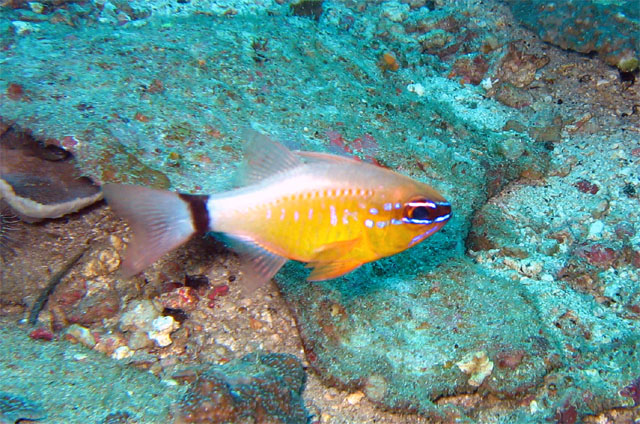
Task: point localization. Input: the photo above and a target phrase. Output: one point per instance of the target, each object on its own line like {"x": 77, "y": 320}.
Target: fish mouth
{"x": 443, "y": 214}
{"x": 433, "y": 228}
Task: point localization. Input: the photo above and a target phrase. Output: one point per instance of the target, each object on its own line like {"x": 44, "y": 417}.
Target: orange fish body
{"x": 331, "y": 212}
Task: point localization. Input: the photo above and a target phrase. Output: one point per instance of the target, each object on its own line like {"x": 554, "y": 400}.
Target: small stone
{"x": 109, "y": 343}
{"x": 81, "y": 335}
{"x": 435, "y": 40}
{"x": 36, "y": 7}
{"x": 23, "y": 28}
{"x": 183, "y": 298}
{"x": 395, "y": 12}
{"x": 162, "y": 329}
{"x": 326, "y": 418}
{"x": 355, "y": 397}
{"x": 139, "y": 316}
{"x": 512, "y": 148}
{"x": 255, "y": 324}
{"x": 376, "y": 387}
{"x": 139, "y": 340}
{"x": 41, "y": 334}
{"x": 109, "y": 259}
{"x": 416, "y": 88}
{"x": 595, "y": 230}
{"x": 478, "y": 365}
{"x": 122, "y": 352}
{"x": 116, "y": 242}
{"x": 103, "y": 262}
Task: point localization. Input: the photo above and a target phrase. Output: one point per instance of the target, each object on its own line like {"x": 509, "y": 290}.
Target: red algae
{"x": 586, "y": 187}
{"x": 41, "y": 334}
{"x": 598, "y": 255}
{"x": 15, "y": 91}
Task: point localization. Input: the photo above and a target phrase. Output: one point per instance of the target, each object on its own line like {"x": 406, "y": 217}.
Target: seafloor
{"x": 525, "y": 308}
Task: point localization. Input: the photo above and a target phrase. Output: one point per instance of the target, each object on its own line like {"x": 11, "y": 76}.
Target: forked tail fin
{"x": 160, "y": 220}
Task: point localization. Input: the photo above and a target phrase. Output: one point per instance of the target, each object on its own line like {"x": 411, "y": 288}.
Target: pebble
{"x": 36, "y": 7}
{"x": 416, "y": 88}
{"x": 23, "y": 28}
{"x": 162, "y": 328}
{"x": 355, "y": 398}
{"x": 139, "y": 315}
{"x": 80, "y": 334}
{"x": 595, "y": 230}
{"x": 395, "y": 12}
{"x": 122, "y": 352}
{"x": 478, "y": 365}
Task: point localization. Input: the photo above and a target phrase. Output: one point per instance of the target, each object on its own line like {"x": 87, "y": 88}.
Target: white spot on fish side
{"x": 296, "y": 215}
{"x": 368, "y": 223}
{"x": 373, "y": 211}
{"x": 396, "y": 221}
{"x": 388, "y": 206}
{"x": 347, "y": 214}
{"x": 381, "y": 224}
{"x": 282, "y": 213}
{"x": 334, "y": 216}
{"x": 310, "y": 213}
{"x": 398, "y": 205}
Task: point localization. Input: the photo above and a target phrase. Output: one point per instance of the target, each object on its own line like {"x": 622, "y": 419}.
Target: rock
{"x": 260, "y": 387}
{"x": 612, "y": 29}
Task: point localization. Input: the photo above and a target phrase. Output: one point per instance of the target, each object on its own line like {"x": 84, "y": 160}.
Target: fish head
{"x": 414, "y": 213}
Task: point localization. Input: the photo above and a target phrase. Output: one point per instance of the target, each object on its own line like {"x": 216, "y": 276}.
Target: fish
{"x": 331, "y": 212}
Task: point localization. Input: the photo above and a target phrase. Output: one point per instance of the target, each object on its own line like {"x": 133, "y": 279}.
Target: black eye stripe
{"x": 425, "y": 212}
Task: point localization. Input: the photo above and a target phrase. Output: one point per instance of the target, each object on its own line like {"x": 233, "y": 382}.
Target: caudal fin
{"x": 161, "y": 221}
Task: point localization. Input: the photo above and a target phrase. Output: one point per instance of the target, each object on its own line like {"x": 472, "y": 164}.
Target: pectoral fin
{"x": 328, "y": 270}
{"x": 334, "y": 260}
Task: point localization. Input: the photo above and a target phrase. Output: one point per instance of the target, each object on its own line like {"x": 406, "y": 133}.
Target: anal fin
{"x": 258, "y": 264}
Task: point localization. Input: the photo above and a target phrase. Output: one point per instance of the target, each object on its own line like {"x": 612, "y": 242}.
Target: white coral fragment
{"x": 478, "y": 365}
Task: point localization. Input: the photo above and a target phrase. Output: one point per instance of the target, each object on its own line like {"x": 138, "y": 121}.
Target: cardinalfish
{"x": 332, "y": 212}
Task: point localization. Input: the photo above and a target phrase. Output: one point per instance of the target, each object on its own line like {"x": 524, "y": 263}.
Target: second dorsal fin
{"x": 263, "y": 158}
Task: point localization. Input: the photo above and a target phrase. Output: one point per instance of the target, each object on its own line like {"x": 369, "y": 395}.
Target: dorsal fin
{"x": 327, "y": 158}
{"x": 263, "y": 157}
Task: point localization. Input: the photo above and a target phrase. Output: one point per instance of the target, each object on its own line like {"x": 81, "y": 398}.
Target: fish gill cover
{"x": 523, "y": 309}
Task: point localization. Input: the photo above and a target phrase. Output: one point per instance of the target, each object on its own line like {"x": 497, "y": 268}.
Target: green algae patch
{"x": 118, "y": 165}
{"x": 14, "y": 408}
{"x": 259, "y": 387}
{"x": 611, "y": 29}
{"x": 59, "y": 374}
{"x": 456, "y": 329}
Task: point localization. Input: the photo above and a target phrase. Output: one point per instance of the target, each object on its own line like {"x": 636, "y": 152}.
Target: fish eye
{"x": 420, "y": 213}
{"x": 424, "y": 211}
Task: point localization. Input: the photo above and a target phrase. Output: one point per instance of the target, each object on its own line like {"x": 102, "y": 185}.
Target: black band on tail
{"x": 199, "y": 213}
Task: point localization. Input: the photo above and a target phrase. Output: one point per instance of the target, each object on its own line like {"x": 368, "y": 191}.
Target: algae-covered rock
{"x": 406, "y": 341}
{"x": 609, "y": 28}
{"x": 260, "y": 387}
